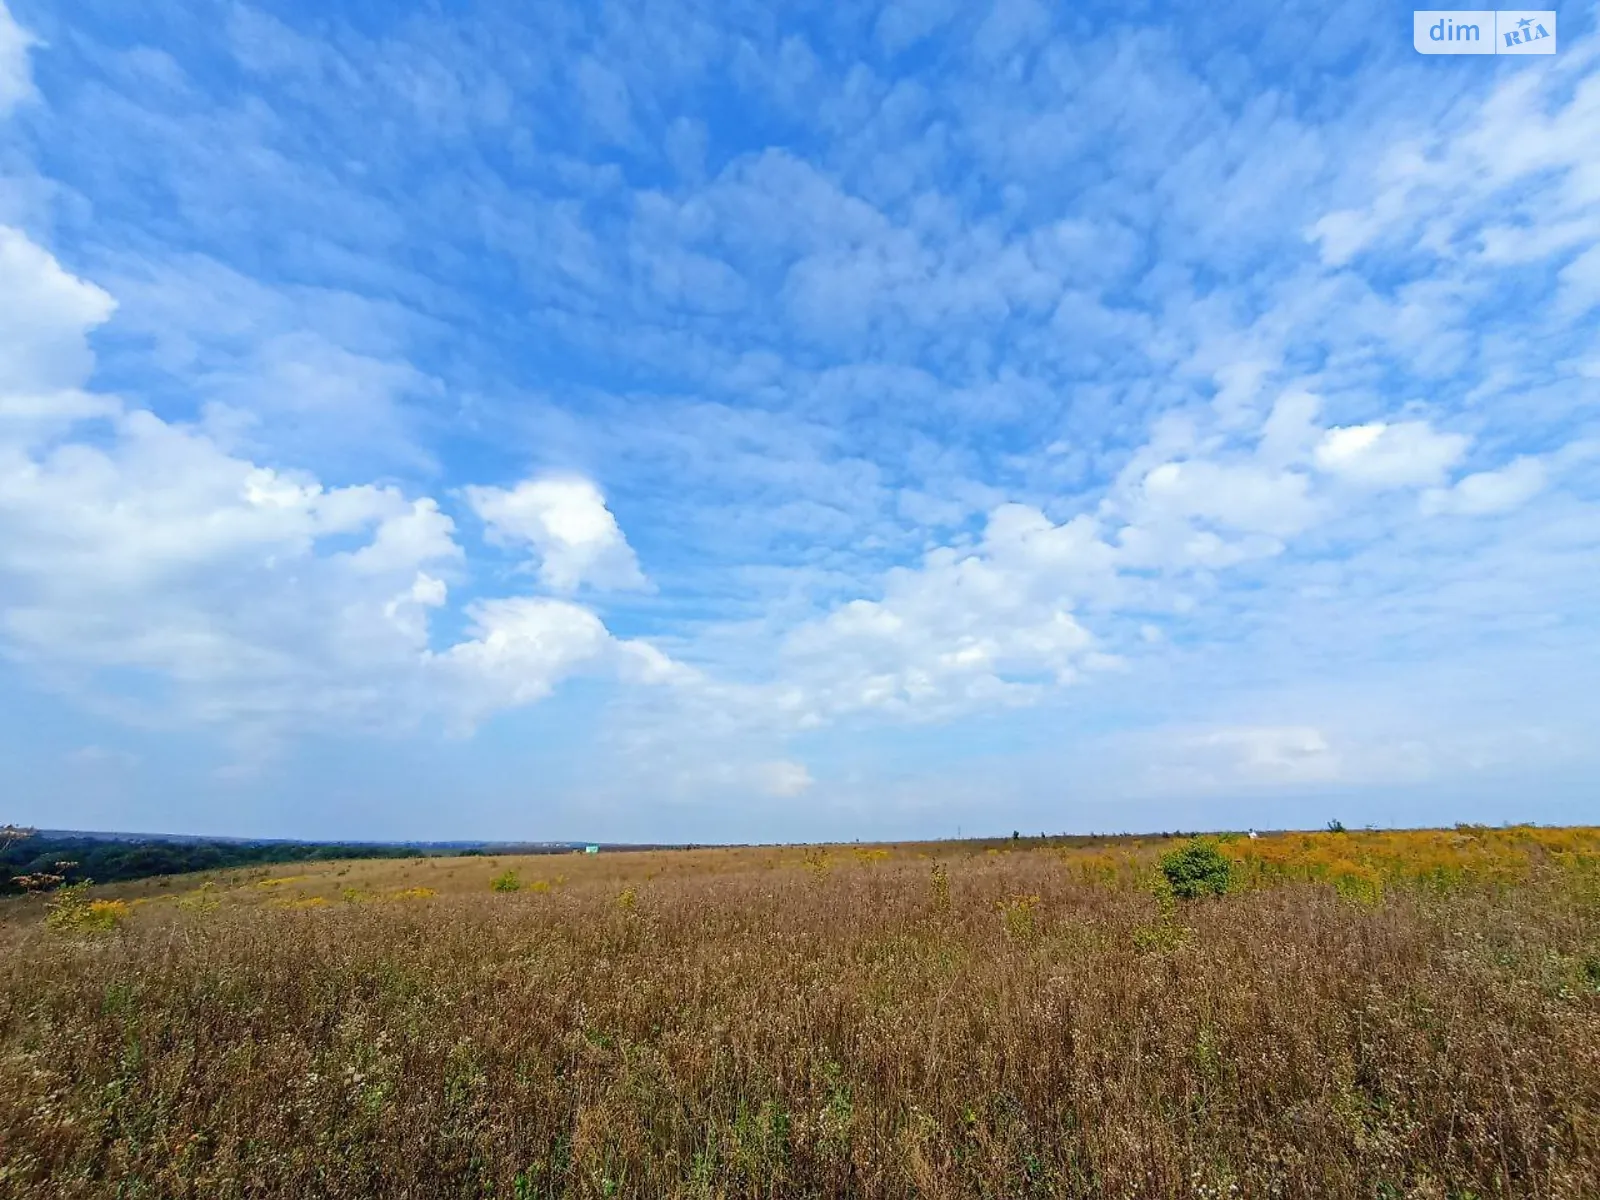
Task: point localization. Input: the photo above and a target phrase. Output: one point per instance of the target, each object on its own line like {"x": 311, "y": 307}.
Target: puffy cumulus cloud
{"x": 417, "y": 532}
{"x": 160, "y": 554}
{"x": 1021, "y": 539}
{"x": 963, "y": 629}
{"x": 567, "y": 523}
{"x": 408, "y": 611}
{"x": 162, "y": 504}
{"x": 45, "y": 316}
{"x": 1206, "y": 495}
{"x": 1379, "y": 455}
{"x": 16, "y": 80}
{"x": 1243, "y": 497}
{"x": 1208, "y": 499}
{"x": 150, "y": 561}
{"x": 1002, "y": 622}
{"x": 519, "y": 649}
{"x": 1485, "y": 493}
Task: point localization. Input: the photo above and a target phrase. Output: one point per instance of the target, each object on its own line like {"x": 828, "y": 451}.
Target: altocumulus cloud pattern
{"x": 674, "y": 420}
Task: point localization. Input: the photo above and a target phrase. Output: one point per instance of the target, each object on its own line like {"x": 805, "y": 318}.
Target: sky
{"x": 737, "y": 422}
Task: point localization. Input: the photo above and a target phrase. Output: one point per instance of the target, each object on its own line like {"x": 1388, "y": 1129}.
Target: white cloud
{"x": 567, "y": 522}
{"x": 1436, "y": 183}
{"x": 606, "y": 103}
{"x": 255, "y": 597}
{"x": 783, "y": 779}
{"x": 45, "y": 316}
{"x": 999, "y": 623}
{"x": 522, "y": 647}
{"x": 962, "y": 630}
{"x": 1580, "y": 281}
{"x": 1379, "y": 455}
{"x": 316, "y": 376}
{"x": 1488, "y": 492}
{"x": 1342, "y": 235}
{"x": 1266, "y": 754}
{"x": 1290, "y": 429}
{"x": 162, "y": 502}
{"x": 158, "y": 554}
{"x": 410, "y": 535}
{"x": 16, "y": 81}
{"x": 904, "y": 22}
{"x": 1011, "y": 23}
{"x": 1241, "y": 497}
{"x": 407, "y": 612}
{"x": 1196, "y": 498}
{"x": 300, "y": 393}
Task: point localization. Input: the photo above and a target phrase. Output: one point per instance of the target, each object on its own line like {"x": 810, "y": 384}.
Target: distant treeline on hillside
{"x": 107, "y": 861}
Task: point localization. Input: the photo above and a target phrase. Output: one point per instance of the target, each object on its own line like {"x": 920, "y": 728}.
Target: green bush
{"x": 1197, "y": 869}
{"x": 507, "y": 882}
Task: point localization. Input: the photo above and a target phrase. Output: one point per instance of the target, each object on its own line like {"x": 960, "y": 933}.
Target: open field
{"x": 1361, "y": 1015}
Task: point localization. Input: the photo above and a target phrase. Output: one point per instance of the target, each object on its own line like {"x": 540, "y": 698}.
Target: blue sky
{"x": 676, "y": 421}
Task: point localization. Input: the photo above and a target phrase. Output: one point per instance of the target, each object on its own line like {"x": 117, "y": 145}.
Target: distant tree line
{"x": 74, "y": 859}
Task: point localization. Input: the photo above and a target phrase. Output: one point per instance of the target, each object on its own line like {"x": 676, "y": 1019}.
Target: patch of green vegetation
{"x": 1197, "y": 869}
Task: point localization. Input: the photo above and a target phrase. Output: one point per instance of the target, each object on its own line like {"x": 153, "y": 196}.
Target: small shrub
{"x": 66, "y": 906}
{"x": 1166, "y": 932}
{"x": 102, "y": 916}
{"x": 71, "y": 911}
{"x": 818, "y": 863}
{"x": 1018, "y": 913}
{"x": 941, "y": 887}
{"x": 1197, "y": 869}
{"x": 506, "y": 882}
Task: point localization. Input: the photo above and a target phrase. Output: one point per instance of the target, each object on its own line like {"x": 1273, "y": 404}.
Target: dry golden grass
{"x": 1367, "y": 1015}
